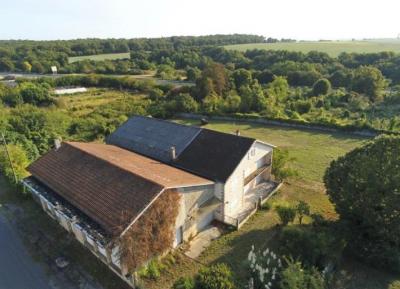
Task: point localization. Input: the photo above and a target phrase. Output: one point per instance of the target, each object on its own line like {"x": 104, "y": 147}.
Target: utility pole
{"x": 9, "y": 157}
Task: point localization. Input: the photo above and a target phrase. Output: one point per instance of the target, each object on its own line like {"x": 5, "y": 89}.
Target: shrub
{"x": 303, "y": 209}
{"x": 151, "y": 271}
{"x": 294, "y": 276}
{"x": 313, "y": 248}
{"x": 215, "y": 277}
{"x": 286, "y": 214}
{"x": 184, "y": 283}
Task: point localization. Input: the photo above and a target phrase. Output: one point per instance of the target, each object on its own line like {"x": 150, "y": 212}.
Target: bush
{"x": 303, "y": 209}
{"x": 313, "y": 248}
{"x": 215, "y": 277}
{"x": 297, "y": 277}
{"x": 184, "y": 283}
{"x": 286, "y": 214}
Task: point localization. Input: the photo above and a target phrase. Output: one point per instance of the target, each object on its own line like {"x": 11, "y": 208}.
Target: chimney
{"x": 238, "y": 132}
{"x": 173, "y": 153}
{"x": 57, "y": 143}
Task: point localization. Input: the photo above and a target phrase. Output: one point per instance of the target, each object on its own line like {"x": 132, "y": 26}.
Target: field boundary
{"x": 289, "y": 124}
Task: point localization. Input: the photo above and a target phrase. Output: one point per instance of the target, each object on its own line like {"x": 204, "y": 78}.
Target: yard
{"x": 313, "y": 152}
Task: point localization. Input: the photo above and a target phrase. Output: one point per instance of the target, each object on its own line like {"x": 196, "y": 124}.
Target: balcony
{"x": 256, "y": 173}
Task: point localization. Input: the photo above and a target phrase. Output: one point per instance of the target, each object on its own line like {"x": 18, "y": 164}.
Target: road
{"x": 138, "y": 77}
{"x": 17, "y": 268}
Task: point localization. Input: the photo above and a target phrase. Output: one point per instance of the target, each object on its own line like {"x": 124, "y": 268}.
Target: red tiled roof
{"x": 109, "y": 184}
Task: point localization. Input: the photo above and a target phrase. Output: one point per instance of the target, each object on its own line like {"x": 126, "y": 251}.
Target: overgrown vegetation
{"x": 152, "y": 234}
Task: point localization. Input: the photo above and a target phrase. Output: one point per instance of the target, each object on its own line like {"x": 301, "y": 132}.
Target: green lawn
{"x": 100, "y": 57}
{"x": 333, "y": 48}
{"x": 313, "y": 151}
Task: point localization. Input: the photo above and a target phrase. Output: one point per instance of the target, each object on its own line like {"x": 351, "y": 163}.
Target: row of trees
{"x": 39, "y": 56}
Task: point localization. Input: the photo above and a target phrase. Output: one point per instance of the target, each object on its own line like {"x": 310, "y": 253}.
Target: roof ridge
{"x": 165, "y": 121}
{"x": 231, "y": 134}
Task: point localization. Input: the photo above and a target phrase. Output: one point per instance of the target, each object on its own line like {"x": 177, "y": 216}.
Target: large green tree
{"x": 321, "y": 87}
{"x": 364, "y": 185}
{"x": 370, "y": 81}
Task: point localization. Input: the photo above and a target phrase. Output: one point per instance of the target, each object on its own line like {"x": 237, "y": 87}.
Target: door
{"x": 178, "y": 236}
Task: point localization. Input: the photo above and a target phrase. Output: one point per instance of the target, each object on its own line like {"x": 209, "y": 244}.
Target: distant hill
{"x": 333, "y": 48}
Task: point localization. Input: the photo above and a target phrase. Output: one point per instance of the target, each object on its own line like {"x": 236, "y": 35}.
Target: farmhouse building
{"x": 99, "y": 191}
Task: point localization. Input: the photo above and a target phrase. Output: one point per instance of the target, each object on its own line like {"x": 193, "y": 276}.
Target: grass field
{"x": 333, "y": 48}
{"x": 99, "y": 57}
{"x": 313, "y": 151}
{"x": 84, "y": 103}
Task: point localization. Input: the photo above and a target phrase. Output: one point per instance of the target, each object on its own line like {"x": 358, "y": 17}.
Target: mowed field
{"x": 100, "y": 57}
{"x": 312, "y": 152}
{"x": 333, "y": 48}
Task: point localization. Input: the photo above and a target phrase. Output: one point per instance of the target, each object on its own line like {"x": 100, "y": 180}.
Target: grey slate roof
{"x": 210, "y": 154}
{"x": 214, "y": 155}
{"x": 153, "y": 137}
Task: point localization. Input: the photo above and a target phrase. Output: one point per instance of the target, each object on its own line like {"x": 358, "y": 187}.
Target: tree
{"x": 242, "y": 77}
{"x": 186, "y": 103}
{"x": 232, "y": 102}
{"x": 212, "y": 103}
{"x": 303, "y": 209}
{"x": 321, "y": 87}
{"x": 217, "y": 276}
{"x": 6, "y": 65}
{"x": 192, "y": 73}
{"x": 19, "y": 162}
{"x": 286, "y": 214}
{"x": 364, "y": 186}
{"x": 26, "y": 66}
{"x": 280, "y": 168}
{"x": 370, "y": 81}
{"x": 278, "y": 88}
{"x": 265, "y": 76}
{"x": 213, "y": 78}
{"x": 36, "y": 94}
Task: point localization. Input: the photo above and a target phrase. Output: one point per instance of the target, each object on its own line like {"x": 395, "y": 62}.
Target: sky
{"x": 296, "y": 19}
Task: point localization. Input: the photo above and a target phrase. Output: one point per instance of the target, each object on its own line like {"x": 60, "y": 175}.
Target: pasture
{"x": 100, "y": 57}
{"x": 333, "y": 48}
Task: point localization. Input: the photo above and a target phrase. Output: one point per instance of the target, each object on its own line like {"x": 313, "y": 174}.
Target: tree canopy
{"x": 364, "y": 185}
